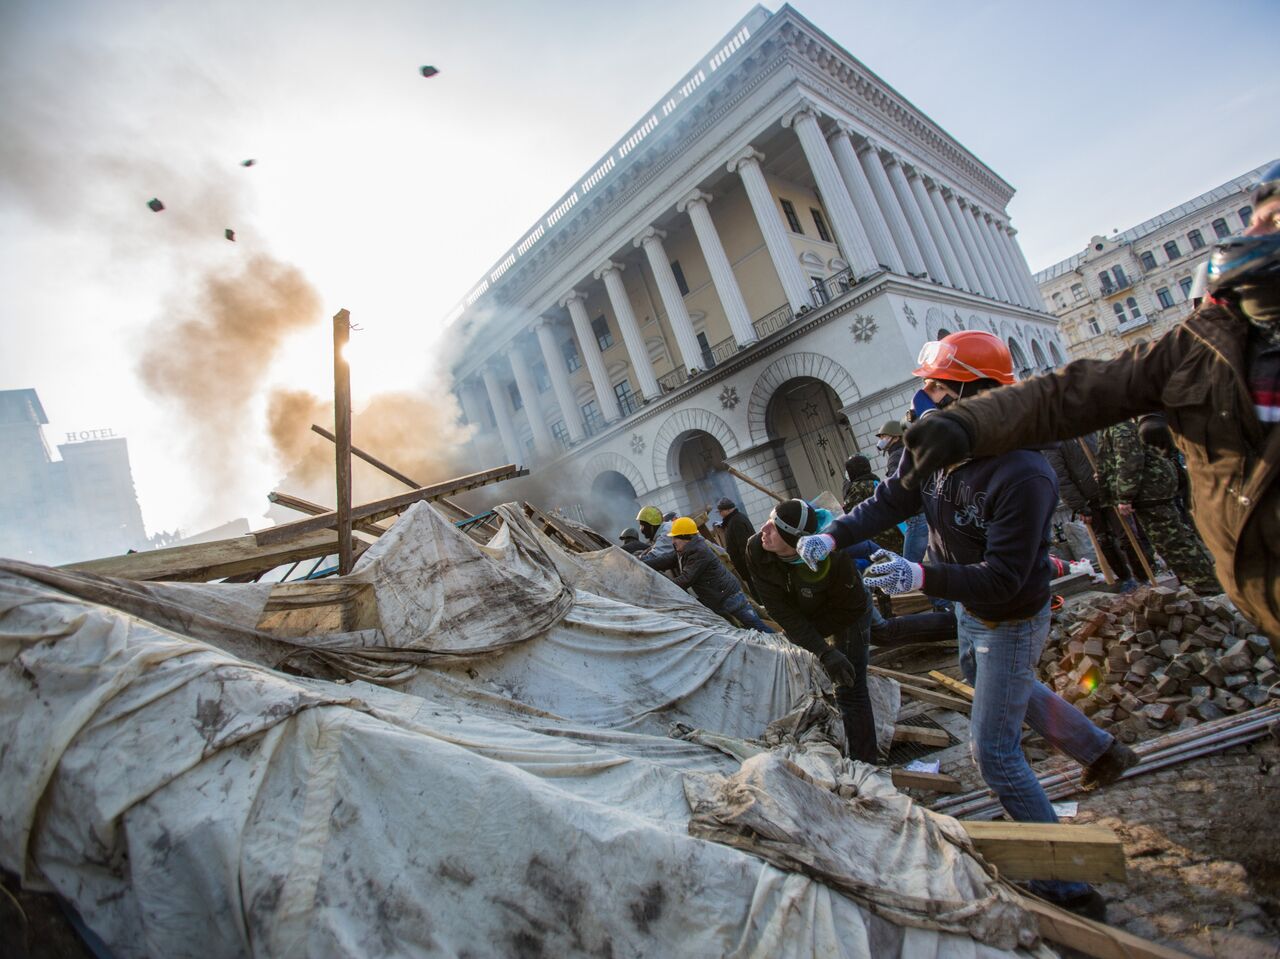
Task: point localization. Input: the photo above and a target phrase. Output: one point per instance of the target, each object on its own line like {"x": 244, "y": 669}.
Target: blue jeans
{"x": 999, "y": 661}
{"x": 917, "y": 539}
{"x": 740, "y": 609}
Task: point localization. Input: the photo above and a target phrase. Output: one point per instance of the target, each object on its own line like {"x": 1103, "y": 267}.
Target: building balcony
{"x": 833, "y": 287}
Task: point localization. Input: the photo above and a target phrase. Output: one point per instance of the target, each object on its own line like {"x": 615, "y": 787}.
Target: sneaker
{"x": 1108, "y": 767}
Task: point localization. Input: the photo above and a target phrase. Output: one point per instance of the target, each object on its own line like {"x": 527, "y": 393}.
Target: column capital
{"x": 890, "y": 158}
{"x": 801, "y": 109}
{"x": 573, "y": 296}
{"x": 540, "y": 321}
{"x": 745, "y": 155}
{"x": 649, "y": 233}
{"x": 868, "y": 144}
{"x": 696, "y": 197}
{"x": 608, "y": 266}
{"x": 842, "y": 129}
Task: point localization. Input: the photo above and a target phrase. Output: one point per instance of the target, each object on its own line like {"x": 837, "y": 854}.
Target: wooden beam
{"x": 937, "y": 699}
{"x": 910, "y": 679}
{"x": 961, "y": 689}
{"x": 923, "y": 735}
{"x": 219, "y": 559}
{"x": 568, "y": 534}
{"x": 935, "y": 782}
{"x": 1040, "y": 850}
{"x": 342, "y": 430}
{"x": 1092, "y": 938}
{"x": 750, "y": 482}
{"x": 315, "y": 509}
{"x": 381, "y": 509}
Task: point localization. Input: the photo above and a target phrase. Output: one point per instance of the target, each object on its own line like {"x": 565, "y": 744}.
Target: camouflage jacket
{"x": 864, "y": 487}
{"x": 1132, "y": 472}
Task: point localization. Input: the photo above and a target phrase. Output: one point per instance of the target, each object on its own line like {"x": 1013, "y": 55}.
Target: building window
{"x": 591, "y": 417}
{"x": 704, "y": 346}
{"x": 1059, "y": 301}
{"x": 1185, "y": 285}
{"x": 628, "y": 401}
{"x": 1121, "y": 280}
{"x": 1165, "y": 297}
{"x": 1077, "y": 290}
{"x": 1104, "y": 280}
{"x": 541, "y": 377}
{"x": 1134, "y": 312}
{"x": 1171, "y": 250}
{"x": 600, "y": 327}
{"x": 514, "y": 392}
{"x": 823, "y": 233}
{"x": 1119, "y": 311}
{"x": 1246, "y": 216}
{"x": 793, "y": 221}
{"x": 1094, "y": 326}
{"x": 819, "y": 291}
{"x": 1148, "y": 260}
{"x": 561, "y": 433}
{"x": 1196, "y": 239}
{"x": 572, "y": 360}
{"x": 1220, "y": 228}
{"x": 681, "y": 282}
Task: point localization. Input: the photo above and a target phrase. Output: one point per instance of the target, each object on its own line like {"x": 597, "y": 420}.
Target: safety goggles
{"x": 938, "y": 356}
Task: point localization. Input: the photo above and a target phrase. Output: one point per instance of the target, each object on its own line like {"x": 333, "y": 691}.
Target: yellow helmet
{"x": 683, "y": 526}
{"x": 651, "y": 515}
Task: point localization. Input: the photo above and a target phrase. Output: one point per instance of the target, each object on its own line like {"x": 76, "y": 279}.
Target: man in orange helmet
{"x": 989, "y": 524}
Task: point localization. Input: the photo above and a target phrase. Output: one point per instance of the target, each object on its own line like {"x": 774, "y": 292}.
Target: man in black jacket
{"x": 737, "y": 530}
{"x": 698, "y": 568}
{"x": 811, "y": 605}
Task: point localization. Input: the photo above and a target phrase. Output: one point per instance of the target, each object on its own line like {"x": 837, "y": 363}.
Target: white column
{"x": 672, "y": 298}
{"x": 988, "y": 256}
{"x": 1004, "y": 241}
{"x": 502, "y": 413}
{"x": 963, "y": 225}
{"x": 726, "y": 284}
{"x": 1020, "y": 259}
{"x": 747, "y": 165}
{"x": 915, "y": 219}
{"x": 542, "y": 438}
{"x": 611, "y": 273}
{"x": 471, "y": 406}
{"x": 1002, "y": 267}
{"x": 955, "y": 276}
{"x": 869, "y": 156}
{"x": 590, "y": 350}
{"x": 553, "y": 356}
{"x": 953, "y": 237}
{"x": 850, "y": 236}
{"x": 864, "y": 201}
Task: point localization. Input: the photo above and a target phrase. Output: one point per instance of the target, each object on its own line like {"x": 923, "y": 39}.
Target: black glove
{"x": 934, "y": 443}
{"x": 838, "y": 667}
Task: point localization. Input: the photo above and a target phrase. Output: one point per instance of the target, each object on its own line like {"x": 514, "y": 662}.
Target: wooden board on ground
{"x": 922, "y": 735}
{"x": 934, "y": 782}
{"x": 1093, "y": 938}
{"x": 1038, "y": 850}
{"x": 567, "y": 535}
{"x": 935, "y": 698}
{"x": 961, "y": 689}
{"x": 913, "y": 602}
{"x": 219, "y": 559}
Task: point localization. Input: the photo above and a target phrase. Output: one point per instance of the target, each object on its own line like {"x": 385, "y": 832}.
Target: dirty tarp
{"x": 188, "y": 800}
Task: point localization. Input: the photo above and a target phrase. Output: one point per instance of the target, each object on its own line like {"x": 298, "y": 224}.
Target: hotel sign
{"x": 83, "y": 435}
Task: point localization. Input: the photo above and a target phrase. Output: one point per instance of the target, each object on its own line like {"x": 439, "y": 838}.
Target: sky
{"x": 391, "y": 195}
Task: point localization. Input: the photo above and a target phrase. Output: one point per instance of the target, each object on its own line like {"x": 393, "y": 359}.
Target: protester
{"x": 861, "y": 484}
{"x": 814, "y": 605}
{"x": 1216, "y": 377}
{"x": 889, "y": 441}
{"x": 1154, "y": 430}
{"x": 989, "y": 523}
{"x": 656, "y": 532}
{"x": 631, "y": 542}
{"x": 698, "y": 568}
{"x": 736, "y": 530}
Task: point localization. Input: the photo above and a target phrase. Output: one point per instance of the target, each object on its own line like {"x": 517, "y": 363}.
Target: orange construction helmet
{"x": 966, "y": 356}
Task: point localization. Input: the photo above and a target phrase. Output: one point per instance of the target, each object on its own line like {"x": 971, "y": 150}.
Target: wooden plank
{"x": 1092, "y": 938}
{"x": 910, "y": 679}
{"x": 569, "y": 535}
{"x": 750, "y": 482}
{"x": 961, "y": 689}
{"x": 936, "y": 698}
{"x": 1039, "y": 850}
{"x": 913, "y": 602}
{"x": 381, "y": 509}
{"x": 921, "y": 734}
{"x": 310, "y": 608}
{"x": 288, "y": 501}
{"x": 342, "y": 430}
{"x": 935, "y": 782}
{"x": 202, "y": 562}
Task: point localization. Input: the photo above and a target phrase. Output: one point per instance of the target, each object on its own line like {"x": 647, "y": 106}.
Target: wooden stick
{"x": 381, "y": 509}
{"x": 315, "y": 509}
{"x": 936, "y": 782}
{"x": 1142, "y": 557}
{"x": 921, "y": 734}
{"x": 956, "y": 686}
{"x": 1107, "y": 572}
{"x": 910, "y": 679}
{"x": 1039, "y": 850}
{"x": 342, "y": 429}
{"x": 1092, "y": 938}
{"x": 750, "y": 482}
{"x": 936, "y": 698}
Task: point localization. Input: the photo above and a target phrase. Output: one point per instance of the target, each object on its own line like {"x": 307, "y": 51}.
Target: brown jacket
{"x": 1196, "y": 375}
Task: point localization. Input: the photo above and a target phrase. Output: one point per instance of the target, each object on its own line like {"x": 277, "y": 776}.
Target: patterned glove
{"x": 893, "y": 574}
{"x": 814, "y": 549}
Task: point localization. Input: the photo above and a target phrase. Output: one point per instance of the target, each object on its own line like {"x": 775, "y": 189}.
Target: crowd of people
{"x": 1168, "y": 453}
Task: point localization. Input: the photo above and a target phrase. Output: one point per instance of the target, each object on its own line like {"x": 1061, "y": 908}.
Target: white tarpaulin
{"x": 516, "y": 793}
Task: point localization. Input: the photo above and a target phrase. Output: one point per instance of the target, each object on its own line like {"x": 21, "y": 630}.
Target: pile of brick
{"x": 1156, "y": 659}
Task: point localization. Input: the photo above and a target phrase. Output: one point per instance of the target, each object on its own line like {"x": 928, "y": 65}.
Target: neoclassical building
{"x": 746, "y": 277}
{"x": 1134, "y": 286}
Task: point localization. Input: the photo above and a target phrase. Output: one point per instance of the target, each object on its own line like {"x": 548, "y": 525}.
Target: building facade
{"x": 1136, "y": 285}
{"x": 745, "y": 278}
{"x": 78, "y": 507}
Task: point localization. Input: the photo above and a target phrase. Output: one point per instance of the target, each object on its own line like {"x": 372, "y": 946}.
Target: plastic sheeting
{"x": 515, "y": 794}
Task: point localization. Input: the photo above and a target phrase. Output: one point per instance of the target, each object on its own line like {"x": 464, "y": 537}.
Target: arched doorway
{"x": 1056, "y": 354}
{"x": 805, "y": 412}
{"x": 613, "y": 504}
{"x": 1042, "y": 365}
{"x": 698, "y": 456}
{"x": 1020, "y": 365}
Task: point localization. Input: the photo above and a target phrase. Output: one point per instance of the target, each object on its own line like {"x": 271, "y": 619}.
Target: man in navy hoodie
{"x": 989, "y": 523}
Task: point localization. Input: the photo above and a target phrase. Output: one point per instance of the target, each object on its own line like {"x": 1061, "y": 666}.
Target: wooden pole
{"x": 750, "y": 482}
{"x": 1133, "y": 540}
{"x": 1107, "y": 572}
{"x": 342, "y": 432}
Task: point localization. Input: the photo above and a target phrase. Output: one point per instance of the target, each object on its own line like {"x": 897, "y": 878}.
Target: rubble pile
{"x": 1157, "y": 658}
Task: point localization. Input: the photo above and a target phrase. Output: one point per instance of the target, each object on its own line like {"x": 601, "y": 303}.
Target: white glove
{"x": 814, "y": 549}
{"x": 893, "y": 574}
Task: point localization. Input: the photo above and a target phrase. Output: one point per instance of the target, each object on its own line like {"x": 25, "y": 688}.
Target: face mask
{"x": 883, "y": 444}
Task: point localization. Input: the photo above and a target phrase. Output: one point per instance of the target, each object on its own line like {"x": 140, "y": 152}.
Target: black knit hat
{"x": 726, "y": 503}
{"x": 794, "y": 518}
